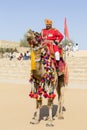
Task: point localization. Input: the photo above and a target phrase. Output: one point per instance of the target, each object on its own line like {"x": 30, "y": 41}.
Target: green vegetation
{"x": 67, "y": 42}
{"x": 3, "y": 50}
{"x": 23, "y": 42}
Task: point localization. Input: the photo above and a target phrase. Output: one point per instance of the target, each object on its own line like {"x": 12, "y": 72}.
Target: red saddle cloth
{"x": 63, "y": 69}
{"x": 61, "y": 66}
{"x": 49, "y": 45}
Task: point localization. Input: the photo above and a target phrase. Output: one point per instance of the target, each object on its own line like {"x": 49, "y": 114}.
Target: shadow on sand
{"x": 44, "y": 111}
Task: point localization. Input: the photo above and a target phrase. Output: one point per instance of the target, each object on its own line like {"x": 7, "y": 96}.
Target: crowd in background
{"x": 20, "y": 56}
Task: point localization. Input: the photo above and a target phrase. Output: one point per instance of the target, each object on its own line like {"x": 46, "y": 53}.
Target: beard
{"x": 48, "y": 26}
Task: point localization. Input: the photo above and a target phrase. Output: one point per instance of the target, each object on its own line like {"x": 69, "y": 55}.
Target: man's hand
{"x": 56, "y": 42}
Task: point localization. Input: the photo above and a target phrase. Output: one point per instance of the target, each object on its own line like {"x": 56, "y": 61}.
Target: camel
{"x": 44, "y": 79}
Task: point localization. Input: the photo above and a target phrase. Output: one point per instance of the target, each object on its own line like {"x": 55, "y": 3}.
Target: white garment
{"x": 57, "y": 56}
{"x": 77, "y": 48}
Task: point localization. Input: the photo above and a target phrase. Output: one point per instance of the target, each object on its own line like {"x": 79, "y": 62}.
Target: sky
{"x": 17, "y": 16}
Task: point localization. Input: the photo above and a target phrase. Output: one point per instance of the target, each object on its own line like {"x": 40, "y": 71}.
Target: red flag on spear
{"x": 66, "y": 30}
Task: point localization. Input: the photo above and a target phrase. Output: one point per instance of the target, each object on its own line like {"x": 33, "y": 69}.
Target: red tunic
{"x": 52, "y": 34}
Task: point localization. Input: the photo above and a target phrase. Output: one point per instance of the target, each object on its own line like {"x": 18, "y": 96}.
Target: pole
{"x": 65, "y": 50}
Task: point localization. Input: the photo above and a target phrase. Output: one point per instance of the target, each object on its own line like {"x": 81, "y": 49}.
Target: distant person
{"x": 11, "y": 55}
{"x": 77, "y": 48}
{"x": 73, "y": 50}
{"x": 28, "y": 55}
{"x": 25, "y": 57}
{"x": 20, "y": 56}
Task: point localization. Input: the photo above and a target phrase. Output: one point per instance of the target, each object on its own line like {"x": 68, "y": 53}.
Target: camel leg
{"x": 60, "y": 104}
{"x": 60, "y": 91}
{"x": 59, "y": 101}
{"x": 36, "y": 118}
{"x": 50, "y": 106}
{"x": 62, "y": 101}
{"x": 58, "y": 110}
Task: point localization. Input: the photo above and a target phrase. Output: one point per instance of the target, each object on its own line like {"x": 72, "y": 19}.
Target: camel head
{"x": 33, "y": 38}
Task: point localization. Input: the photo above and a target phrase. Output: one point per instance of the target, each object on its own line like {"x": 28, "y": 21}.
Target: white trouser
{"x": 57, "y": 56}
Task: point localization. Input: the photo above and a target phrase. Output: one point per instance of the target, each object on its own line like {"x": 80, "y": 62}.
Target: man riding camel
{"x": 52, "y": 37}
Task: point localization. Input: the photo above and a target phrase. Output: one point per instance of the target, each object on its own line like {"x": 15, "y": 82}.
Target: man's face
{"x": 48, "y": 26}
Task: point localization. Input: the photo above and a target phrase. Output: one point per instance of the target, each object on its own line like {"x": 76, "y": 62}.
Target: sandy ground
{"x": 17, "y": 109}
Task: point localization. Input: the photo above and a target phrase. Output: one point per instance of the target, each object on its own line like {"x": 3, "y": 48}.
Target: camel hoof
{"x": 49, "y": 125}
{"x": 53, "y": 118}
{"x": 34, "y": 122}
{"x": 63, "y": 108}
{"x": 31, "y": 122}
{"x": 45, "y": 118}
{"x": 60, "y": 117}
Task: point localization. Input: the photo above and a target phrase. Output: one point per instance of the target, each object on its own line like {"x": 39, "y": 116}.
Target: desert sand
{"x": 17, "y": 108}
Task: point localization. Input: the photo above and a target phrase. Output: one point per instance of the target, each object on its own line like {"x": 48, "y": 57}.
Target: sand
{"x": 17, "y": 109}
